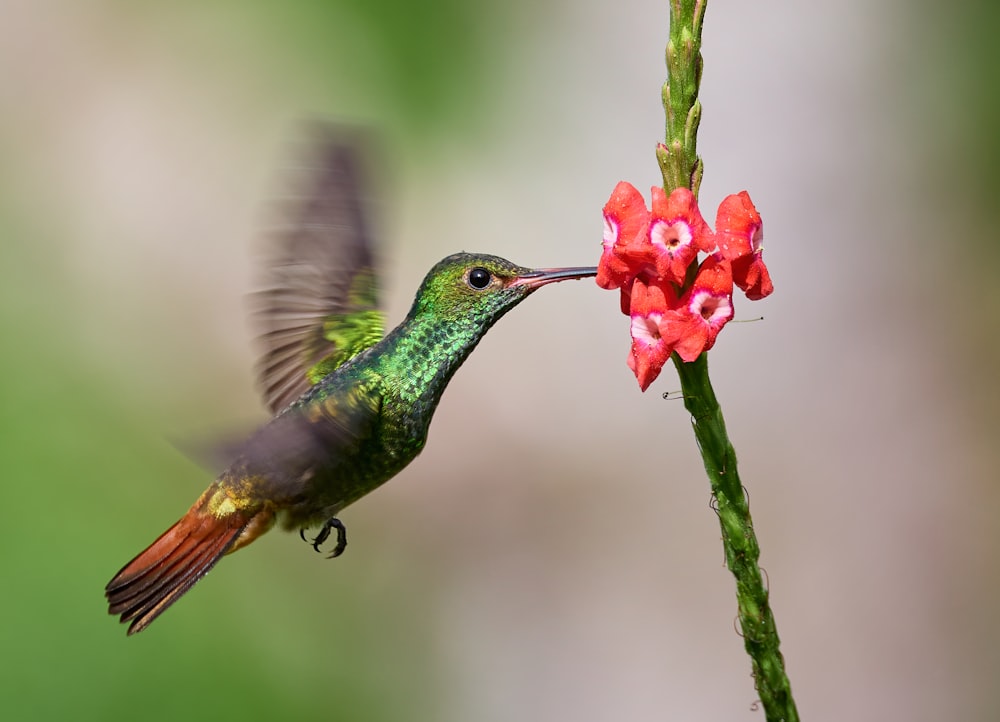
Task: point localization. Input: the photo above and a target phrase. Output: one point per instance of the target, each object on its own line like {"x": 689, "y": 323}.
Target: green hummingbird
{"x": 352, "y": 408}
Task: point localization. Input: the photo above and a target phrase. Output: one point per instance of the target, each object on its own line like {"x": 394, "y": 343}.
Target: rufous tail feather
{"x": 184, "y": 553}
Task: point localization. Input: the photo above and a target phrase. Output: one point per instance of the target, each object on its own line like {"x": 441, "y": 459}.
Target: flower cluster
{"x": 677, "y": 304}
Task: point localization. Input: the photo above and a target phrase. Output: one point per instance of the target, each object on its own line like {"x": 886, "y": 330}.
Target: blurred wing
{"x": 310, "y": 436}
{"x": 318, "y": 306}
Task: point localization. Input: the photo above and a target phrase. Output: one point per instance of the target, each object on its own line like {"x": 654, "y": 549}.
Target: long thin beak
{"x": 543, "y": 276}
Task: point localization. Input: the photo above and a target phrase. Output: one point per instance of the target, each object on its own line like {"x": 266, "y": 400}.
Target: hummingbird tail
{"x": 183, "y": 554}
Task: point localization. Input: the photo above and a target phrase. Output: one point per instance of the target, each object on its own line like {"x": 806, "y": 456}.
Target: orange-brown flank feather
{"x": 157, "y": 577}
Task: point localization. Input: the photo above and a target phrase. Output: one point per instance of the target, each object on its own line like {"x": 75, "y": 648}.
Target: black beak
{"x": 543, "y": 276}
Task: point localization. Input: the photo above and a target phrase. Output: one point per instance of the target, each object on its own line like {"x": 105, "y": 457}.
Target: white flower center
{"x": 610, "y": 232}
{"x": 670, "y": 236}
{"x": 646, "y": 329}
{"x": 757, "y": 239}
{"x": 714, "y": 309}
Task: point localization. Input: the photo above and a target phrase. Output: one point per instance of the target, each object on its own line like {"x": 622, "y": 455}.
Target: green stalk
{"x": 678, "y": 158}
{"x": 681, "y": 166}
{"x": 760, "y": 635}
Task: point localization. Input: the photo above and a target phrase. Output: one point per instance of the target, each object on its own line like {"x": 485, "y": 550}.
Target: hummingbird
{"x": 351, "y": 407}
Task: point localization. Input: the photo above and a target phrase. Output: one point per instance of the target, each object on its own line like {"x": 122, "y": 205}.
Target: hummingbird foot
{"x": 324, "y": 534}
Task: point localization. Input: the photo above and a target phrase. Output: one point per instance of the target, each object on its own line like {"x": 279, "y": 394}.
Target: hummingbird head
{"x": 479, "y": 288}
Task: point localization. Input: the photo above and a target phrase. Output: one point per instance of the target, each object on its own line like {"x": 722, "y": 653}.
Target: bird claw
{"x": 324, "y": 534}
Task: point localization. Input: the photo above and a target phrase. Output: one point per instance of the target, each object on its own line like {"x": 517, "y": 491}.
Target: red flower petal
{"x": 651, "y": 296}
{"x": 750, "y": 274}
{"x": 677, "y": 232}
{"x": 681, "y": 205}
{"x": 685, "y": 334}
{"x": 650, "y": 350}
{"x": 739, "y": 229}
{"x": 645, "y": 276}
{"x": 625, "y": 218}
{"x": 626, "y": 297}
{"x": 626, "y": 209}
{"x": 647, "y": 362}
{"x": 612, "y": 272}
{"x": 715, "y": 274}
{"x": 702, "y": 312}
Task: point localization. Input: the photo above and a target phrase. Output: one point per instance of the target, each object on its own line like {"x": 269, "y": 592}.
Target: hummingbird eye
{"x": 479, "y": 278}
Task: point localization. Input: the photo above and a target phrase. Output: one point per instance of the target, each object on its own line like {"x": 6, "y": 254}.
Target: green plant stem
{"x": 678, "y": 157}
{"x": 760, "y": 635}
{"x": 681, "y": 166}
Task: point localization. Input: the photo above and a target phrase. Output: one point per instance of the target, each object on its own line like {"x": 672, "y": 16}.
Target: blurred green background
{"x": 552, "y": 554}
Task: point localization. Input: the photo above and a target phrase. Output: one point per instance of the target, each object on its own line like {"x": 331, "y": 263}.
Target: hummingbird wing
{"x": 327, "y": 427}
{"x": 319, "y": 305}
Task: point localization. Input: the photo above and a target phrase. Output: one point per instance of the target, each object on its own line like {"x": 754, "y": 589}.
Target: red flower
{"x": 625, "y": 219}
{"x": 692, "y": 327}
{"x": 647, "y": 274}
{"x": 648, "y": 255}
{"x": 677, "y": 232}
{"x": 650, "y": 350}
{"x": 740, "y": 233}
{"x": 750, "y": 274}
